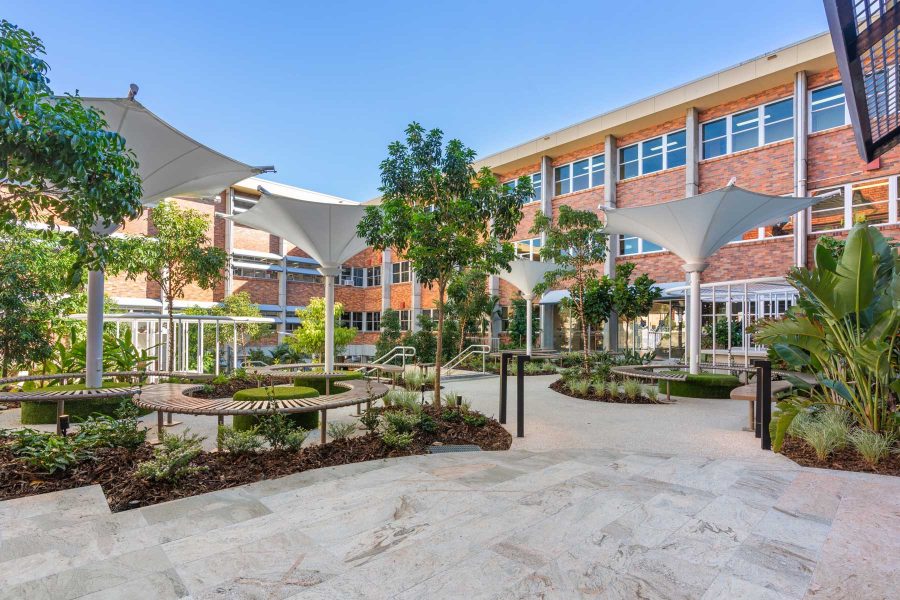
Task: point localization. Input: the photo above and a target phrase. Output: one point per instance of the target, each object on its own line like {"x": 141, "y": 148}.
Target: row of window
{"x": 401, "y": 272}
{"x": 872, "y": 201}
{"x": 536, "y": 180}
{"x": 747, "y": 129}
{"x": 360, "y": 276}
{"x": 362, "y": 321}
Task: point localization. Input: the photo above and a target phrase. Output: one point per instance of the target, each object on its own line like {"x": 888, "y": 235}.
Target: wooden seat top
{"x": 748, "y": 392}
{"x": 50, "y": 395}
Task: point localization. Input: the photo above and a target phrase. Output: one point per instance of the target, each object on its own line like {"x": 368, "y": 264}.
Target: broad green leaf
{"x": 855, "y": 286}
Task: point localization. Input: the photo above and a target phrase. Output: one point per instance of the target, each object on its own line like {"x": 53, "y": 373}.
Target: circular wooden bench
{"x": 174, "y": 398}
{"x": 748, "y": 393}
{"x": 48, "y": 394}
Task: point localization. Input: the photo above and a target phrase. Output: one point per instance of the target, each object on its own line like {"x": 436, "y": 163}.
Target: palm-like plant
{"x": 844, "y": 329}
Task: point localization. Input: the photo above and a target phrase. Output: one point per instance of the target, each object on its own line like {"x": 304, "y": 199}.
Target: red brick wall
{"x": 651, "y": 189}
{"x": 262, "y": 291}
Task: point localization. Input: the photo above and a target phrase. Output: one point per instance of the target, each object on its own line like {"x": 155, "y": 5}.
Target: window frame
{"x": 592, "y": 173}
{"x": 760, "y": 129}
{"x": 399, "y": 273}
{"x": 640, "y": 242}
{"x": 404, "y": 316}
{"x": 373, "y": 276}
{"x": 809, "y": 111}
{"x": 534, "y": 250}
{"x": 893, "y": 204}
{"x": 372, "y": 322}
{"x": 536, "y": 180}
{"x": 664, "y": 149}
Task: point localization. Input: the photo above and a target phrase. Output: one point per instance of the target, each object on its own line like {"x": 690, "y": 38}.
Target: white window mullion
{"x": 848, "y": 206}
{"x": 760, "y": 126}
{"x": 892, "y": 200}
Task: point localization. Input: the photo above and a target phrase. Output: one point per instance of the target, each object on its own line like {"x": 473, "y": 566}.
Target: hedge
{"x": 702, "y": 385}
{"x": 318, "y": 383}
{"x": 44, "y": 413}
{"x": 308, "y": 420}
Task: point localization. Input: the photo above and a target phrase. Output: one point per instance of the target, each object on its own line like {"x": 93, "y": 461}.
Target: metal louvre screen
{"x": 866, "y": 36}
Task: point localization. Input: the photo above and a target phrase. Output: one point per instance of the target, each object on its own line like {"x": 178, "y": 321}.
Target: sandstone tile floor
{"x": 583, "y": 523}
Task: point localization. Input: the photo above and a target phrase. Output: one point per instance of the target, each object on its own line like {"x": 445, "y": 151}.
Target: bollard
{"x": 766, "y": 412}
{"x": 504, "y": 367}
{"x": 520, "y": 394}
{"x": 757, "y": 417}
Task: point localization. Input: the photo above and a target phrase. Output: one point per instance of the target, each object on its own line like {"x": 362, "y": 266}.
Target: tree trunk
{"x": 171, "y": 302}
{"x": 439, "y": 351}
{"x": 584, "y": 335}
{"x": 462, "y": 335}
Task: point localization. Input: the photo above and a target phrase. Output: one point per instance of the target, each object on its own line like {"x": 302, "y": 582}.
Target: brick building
{"x": 777, "y": 123}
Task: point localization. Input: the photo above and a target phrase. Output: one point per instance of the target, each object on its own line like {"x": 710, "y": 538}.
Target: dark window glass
{"x": 714, "y": 139}
{"x": 779, "y": 120}
{"x": 745, "y": 130}
{"x": 598, "y": 169}
{"x": 827, "y": 107}
{"x": 675, "y": 149}
{"x": 580, "y": 175}
{"x": 563, "y": 184}
{"x": 652, "y": 160}
{"x": 628, "y": 162}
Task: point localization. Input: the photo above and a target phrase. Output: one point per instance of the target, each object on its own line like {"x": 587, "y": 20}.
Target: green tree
{"x": 309, "y": 337}
{"x": 58, "y": 163}
{"x": 518, "y": 323}
{"x": 177, "y": 256}
{"x": 577, "y": 244}
{"x": 423, "y": 339}
{"x": 390, "y": 333}
{"x": 468, "y": 302}
{"x": 440, "y": 214}
{"x": 633, "y": 299}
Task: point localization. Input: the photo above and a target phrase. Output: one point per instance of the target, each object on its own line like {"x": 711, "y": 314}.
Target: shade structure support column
{"x": 329, "y": 273}
{"x": 94, "y": 348}
{"x": 693, "y": 271}
{"x": 529, "y": 309}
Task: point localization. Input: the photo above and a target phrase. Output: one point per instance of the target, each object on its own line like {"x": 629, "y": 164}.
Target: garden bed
{"x": 845, "y": 459}
{"x": 592, "y": 395}
{"x": 227, "y": 388}
{"x": 115, "y": 469}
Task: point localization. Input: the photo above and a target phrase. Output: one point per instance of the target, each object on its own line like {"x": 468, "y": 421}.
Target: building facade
{"x": 776, "y": 124}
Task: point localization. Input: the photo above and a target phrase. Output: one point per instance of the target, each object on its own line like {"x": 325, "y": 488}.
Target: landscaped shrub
{"x": 475, "y": 419}
{"x": 702, "y": 385}
{"x": 46, "y": 452}
{"x": 403, "y": 399}
{"x": 580, "y": 387}
{"x": 400, "y": 421}
{"x": 240, "y": 442}
{"x": 396, "y": 439}
{"x": 307, "y": 420}
{"x": 632, "y": 389}
{"x": 341, "y": 431}
{"x": 121, "y": 431}
{"x": 370, "y": 419}
{"x": 44, "y": 413}
{"x": 873, "y": 447}
{"x": 825, "y": 434}
{"x": 652, "y": 394}
{"x": 172, "y": 458}
{"x": 281, "y": 432}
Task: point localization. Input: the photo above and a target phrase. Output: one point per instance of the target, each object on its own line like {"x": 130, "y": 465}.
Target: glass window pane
{"x": 580, "y": 175}
{"x": 562, "y": 180}
{"x": 745, "y": 130}
{"x": 598, "y": 169}
{"x": 675, "y": 149}
{"x": 628, "y": 245}
{"x": 652, "y": 159}
{"x": 714, "y": 139}
{"x": 779, "y": 229}
{"x": 828, "y": 214}
{"x": 538, "y": 188}
{"x": 870, "y": 202}
{"x": 827, "y": 106}
{"x": 628, "y": 154}
{"x": 779, "y": 120}
{"x": 651, "y": 247}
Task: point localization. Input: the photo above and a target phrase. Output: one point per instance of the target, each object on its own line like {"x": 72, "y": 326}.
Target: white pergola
{"x": 325, "y": 231}
{"x": 170, "y": 163}
{"x": 526, "y": 274}
{"x": 695, "y": 228}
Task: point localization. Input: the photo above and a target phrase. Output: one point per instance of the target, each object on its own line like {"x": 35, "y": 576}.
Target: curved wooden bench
{"x": 60, "y": 396}
{"x": 748, "y": 394}
{"x": 173, "y": 398}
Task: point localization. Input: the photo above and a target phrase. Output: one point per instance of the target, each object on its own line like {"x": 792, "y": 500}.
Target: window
{"x": 373, "y": 278}
{"x": 530, "y": 249}
{"x": 535, "y": 185}
{"x": 404, "y": 319}
{"x": 431, "y": 313}
{"x": 868, "y": 201}
{"x": 635, "y": 245}
{"x": 304, "y": 278}
{"x": 827, "y": 107}
{"x": 400, "y": 272}
{"x": 354, "y": 276}
{"x": 353, "y": 320}
{"x": 249, "y": 273}
{"x": 748, "y": 129}
{"x": 656, "y": 154}
{"x": 579, "y": 175}
{"x": 243, "y": 203}
{"x": 373, "y": 321}
{"x": 504, "y": 318}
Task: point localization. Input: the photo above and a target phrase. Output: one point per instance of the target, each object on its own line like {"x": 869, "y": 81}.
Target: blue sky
{"x": 319, "y": 89}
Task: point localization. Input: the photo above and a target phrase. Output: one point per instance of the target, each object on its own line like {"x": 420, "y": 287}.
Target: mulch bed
{"x": 114, "y": 468}
{"x": 559, "y": 386}
{"x": 845, "y": 459}
{"x": 234, "y": 384}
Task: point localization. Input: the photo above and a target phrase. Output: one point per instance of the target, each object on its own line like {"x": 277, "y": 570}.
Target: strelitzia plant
{"x": 844, "y": 329}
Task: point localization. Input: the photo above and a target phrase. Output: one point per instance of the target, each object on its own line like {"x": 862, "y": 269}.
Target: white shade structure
{"x": 169, "y": 164}
{"x": 695, "y": 228}
{"x": 325, "y": 231}
{"x": 526, "y": 274}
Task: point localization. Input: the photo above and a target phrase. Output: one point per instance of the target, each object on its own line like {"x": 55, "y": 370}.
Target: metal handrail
{"x": 402, "y": 352}
{"x": 482, "y": 349}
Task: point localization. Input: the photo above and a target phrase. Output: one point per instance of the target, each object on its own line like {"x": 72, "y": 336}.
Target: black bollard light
{"x": 766, "y": 412}
{"x": 504, "y": 372}
{"x": 520, "y": 394}
{"x": 757, "y": 412}
{"x": 422, "y": 388}
{"x": 458, "y": 401}
{"x": 62, "y": 424}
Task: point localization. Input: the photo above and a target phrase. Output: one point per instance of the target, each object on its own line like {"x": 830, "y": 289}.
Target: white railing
{"x": 482, "y": 349}
{"x": 401, "y": 352}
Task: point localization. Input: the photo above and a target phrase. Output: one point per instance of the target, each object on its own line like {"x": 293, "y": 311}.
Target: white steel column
{"x": 529, "y": 298}
{"x": 329, "y": 273}
{"x": 801, "y": 135}
{"x": 415, "y": 291}
{"x": 386, "y": 278}
{"x": 695, "y": 318}
{"x": 547, "y": 189}
{"x": 94, "y": 349}
{"x": 692, "y": 152}
{"x": 229, "y": 241}
{"x": 610, "y": 176}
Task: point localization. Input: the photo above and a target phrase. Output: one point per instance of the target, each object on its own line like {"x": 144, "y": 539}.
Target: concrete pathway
{"x": 518, "y": 524}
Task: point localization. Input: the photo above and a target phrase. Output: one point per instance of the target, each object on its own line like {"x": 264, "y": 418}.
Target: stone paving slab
{"x": 565, "y": 523}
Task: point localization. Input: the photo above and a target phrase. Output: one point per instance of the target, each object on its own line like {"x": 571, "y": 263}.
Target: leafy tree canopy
{"x": 58, "y": 163}
{"x": 442, "y": 215}
{"x": 309, "y": 337}
{"x": 518, "y": 323}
